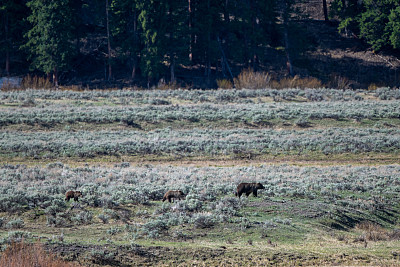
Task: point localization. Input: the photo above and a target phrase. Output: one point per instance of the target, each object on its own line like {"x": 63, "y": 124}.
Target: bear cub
{"x": 171, "y": 194}
{"x": 73, "y": 194}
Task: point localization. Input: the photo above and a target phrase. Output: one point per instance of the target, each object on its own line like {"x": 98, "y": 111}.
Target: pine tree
{"x": 165, "y": 36}
{"x": 50, "y": 38}
{"x": 393, "y": 27}
{"x": 153, "y": 24}
{"x": 126, "y": 31}
{"x": 379, "y": 23}
{"x": 207, "y": 26}
{"x": 12, "y": 13}
{"x": 177, "y": 32}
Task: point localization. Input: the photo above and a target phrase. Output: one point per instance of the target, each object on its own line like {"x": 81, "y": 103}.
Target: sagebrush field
{"x": 328, "y": 159}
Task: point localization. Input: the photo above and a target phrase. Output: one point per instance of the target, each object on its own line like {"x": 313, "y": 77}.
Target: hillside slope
{"x": 335, "y": 57}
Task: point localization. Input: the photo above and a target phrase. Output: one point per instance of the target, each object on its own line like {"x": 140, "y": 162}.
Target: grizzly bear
{"x": 248, "y": 188}
{"x": 171, "y": 194}
{"x": 73, "y": 194}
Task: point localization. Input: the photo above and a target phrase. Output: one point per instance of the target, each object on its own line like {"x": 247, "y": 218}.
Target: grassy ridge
{"x": 240, "y": 143}
{"x": 121, "y": 207}
{"x": 327, "y": 158}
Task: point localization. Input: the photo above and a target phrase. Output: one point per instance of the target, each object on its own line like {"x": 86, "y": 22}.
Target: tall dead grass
{"x": 22, "y": 254}
{"x": 35, "y": 82}
{"x": 224, "y": 84}
{"x": 297, "y": 82}
{"x": 250, "y": 79}
{"x": 374, "y": 232}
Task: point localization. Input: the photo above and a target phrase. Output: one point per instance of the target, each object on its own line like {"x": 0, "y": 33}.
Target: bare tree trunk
{"x": 8, "y": 63}
{"x": 55, "y": 77}
{"x": 171, "y": 53}
{"x": 173, "y": 71}
{"x": 325, "y": 8}
{"x": 133, "y": 75}
{"x": 226, "y": 12}
{"x": 190, "y": 29}
{"x": 226, "y": 31}
{"x": 253, "y": 58}
{"x": 286, "y": 37}
{"x": 134, "y": 56}
{"x": 246, "y": 50}
{"x": 8, "y": 46}
{"x": 108, "y": 42}
{"x": 208, "y": 58}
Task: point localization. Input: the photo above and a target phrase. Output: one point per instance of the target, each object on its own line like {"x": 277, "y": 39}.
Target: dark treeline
{"x": 149, "y": 40}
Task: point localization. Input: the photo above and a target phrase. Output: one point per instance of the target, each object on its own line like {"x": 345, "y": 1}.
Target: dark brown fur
{"x": 73, "y": 194}
{"x": 248, "y": 188}
{"x": 171, "y": 194}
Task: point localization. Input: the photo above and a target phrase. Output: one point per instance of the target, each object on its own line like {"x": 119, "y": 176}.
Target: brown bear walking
{"x": 248, "y": 188}
{"x": 171, "y": 194}
{"x": 73, "y": 194}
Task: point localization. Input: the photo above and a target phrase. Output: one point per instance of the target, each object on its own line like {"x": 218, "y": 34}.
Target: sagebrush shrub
{"x": 83, "y": 217}
{"x": 56, "y": 221}
{"x": 154, "y": 228}
{"x": 15, "y": 224}
{"x": 104, "y": 218}
{"x": 17, "y": 236}
{"x": 102, "y": 257}
{"x": 203, "y": 220}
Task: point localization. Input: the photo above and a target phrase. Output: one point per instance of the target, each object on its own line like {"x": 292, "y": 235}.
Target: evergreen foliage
{"x": 377, "y": 21}
{"x": 49, "y": 39}
{"x": 157, "y": 38}
{"x": 12, "y": 25}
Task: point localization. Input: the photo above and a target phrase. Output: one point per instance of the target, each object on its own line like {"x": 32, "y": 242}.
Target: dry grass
{"x": 372, "y": 87}
{"x": 163, "y": 85}
{"x": 36, "y": 82}
{"x": 249, "y": 79}
{"x": 297, "y": 82}
{"x": 339, "y": 82}
{"x": 22, "y": 255}
{"x": 224, "y": 84}
{"x": 373, "y": 232}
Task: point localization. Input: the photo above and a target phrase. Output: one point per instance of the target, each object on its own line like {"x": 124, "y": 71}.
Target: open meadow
{"x": 329, "y": 161}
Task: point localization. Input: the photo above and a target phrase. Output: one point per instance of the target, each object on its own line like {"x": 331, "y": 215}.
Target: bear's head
{"x": 259, "y": 186}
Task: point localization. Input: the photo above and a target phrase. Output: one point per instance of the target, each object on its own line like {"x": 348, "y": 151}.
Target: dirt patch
{"x": 203, "y": 256}
{"x": 322, "y": 160}
{"x": 110, "y": 255}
